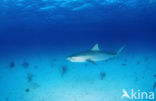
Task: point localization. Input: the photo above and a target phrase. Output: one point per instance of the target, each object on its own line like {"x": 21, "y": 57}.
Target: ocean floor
{"x": 50, "y": 77}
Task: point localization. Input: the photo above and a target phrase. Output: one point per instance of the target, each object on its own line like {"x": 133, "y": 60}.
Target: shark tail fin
{"x": 120, "y": 50}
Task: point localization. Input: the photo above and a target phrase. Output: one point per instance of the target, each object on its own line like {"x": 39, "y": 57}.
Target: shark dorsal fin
{"x": 95, "y": 48}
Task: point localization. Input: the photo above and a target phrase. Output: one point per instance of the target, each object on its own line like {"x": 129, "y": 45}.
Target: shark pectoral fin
{"x": 91, "y": 61}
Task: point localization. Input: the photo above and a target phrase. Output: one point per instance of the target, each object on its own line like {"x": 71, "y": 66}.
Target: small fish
{"x": 12, "y": 64}
{"x": 95, "y": 54}
{"x": 102, "y": 75}
{"x": 154, "y": 75}
{"x": 29, "y": 77}
{"x": 63, "y": 70}
{"x": 27, "y": 90}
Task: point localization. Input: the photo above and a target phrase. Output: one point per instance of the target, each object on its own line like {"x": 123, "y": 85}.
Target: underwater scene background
{"x": 36, "y": 37}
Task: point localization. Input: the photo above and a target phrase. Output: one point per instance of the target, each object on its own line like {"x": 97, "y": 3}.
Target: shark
{"x": 93, "y": 55}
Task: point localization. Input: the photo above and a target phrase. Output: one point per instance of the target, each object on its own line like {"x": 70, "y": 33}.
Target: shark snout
{"x": 69, "y": 58}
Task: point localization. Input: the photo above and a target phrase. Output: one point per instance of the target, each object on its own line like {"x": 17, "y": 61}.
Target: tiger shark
{"x": 93, "y": 55}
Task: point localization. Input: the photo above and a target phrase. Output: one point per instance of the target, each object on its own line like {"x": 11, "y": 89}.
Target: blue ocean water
{"x": 37, "y": 36}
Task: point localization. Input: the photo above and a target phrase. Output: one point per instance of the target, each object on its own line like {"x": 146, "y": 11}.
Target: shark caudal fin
{"x": 120, "y": 50}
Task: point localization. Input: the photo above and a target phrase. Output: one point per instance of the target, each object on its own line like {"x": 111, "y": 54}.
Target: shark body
{"x": 93, "y": 55}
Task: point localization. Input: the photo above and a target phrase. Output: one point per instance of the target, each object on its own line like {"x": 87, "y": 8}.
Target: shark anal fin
{"x": 91, "y": 61}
